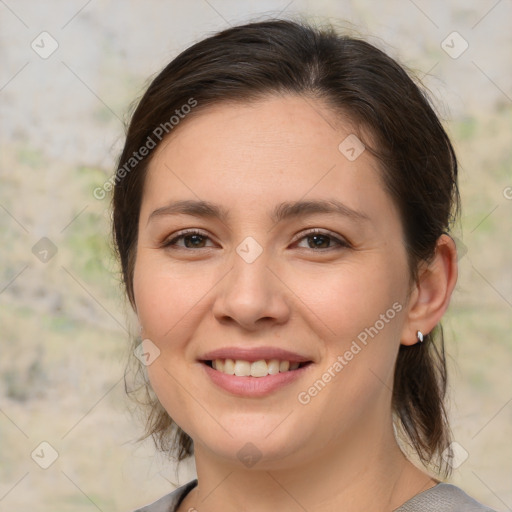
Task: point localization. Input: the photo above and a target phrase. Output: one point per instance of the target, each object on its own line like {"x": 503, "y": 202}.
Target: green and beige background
{"x": 63, "y": 319}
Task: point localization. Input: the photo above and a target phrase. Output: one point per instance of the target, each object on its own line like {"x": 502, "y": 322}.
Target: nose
{"x": 252, "y": 296}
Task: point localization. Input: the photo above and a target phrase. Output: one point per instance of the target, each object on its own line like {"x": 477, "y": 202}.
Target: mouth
{"x": 258, "y": 369}
{"x": 254, "y": 372}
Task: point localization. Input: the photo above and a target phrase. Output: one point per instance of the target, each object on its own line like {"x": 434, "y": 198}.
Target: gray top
{"x": 440, "y": 498}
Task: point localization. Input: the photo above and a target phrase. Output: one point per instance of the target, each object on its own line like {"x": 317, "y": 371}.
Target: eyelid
{"x": 184, "y": 232}
{"x": 340, "y": 240}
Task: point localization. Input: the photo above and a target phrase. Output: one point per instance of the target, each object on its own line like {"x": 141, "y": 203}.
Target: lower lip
{"x": 253, "y": 386}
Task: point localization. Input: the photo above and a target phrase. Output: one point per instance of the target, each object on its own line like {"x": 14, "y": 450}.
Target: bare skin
{"x": 336, "y": 449}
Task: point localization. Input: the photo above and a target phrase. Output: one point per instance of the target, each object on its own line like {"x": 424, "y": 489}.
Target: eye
{"x": 192, "y": 239}
{"x": 321, "y": 240}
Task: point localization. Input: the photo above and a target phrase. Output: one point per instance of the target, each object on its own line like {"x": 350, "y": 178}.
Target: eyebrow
{"x": 286, "y": 210}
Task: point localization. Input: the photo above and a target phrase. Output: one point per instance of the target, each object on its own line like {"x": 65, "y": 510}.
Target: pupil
{"x": 196, "y": 238}
{"x": 319, "y": 241}
{"x": 318, "y": 238}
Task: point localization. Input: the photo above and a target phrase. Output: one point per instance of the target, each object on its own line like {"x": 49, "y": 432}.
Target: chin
{"x": 258, "y": 447}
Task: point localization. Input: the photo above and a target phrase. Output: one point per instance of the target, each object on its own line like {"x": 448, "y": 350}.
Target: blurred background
{"x": 70, "y": 71}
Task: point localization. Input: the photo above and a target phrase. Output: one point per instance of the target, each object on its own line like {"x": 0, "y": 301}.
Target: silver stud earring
{"x": 419, "y": 335}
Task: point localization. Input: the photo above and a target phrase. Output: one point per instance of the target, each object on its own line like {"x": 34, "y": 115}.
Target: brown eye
{"x": 194, "y": 241}
{"x": 320, "y": 240}
{"x": 191, "y": 240}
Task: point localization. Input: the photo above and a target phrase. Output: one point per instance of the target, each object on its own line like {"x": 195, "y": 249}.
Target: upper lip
{"x": 254, "y": 354}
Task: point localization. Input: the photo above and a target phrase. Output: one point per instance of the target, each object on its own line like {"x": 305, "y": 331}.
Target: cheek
{"x": 349, "y": 299}
{"x": 359, "y": 312}
{"x": 168, "y": 301}
{"x": 355, "y": 377}
{"x": 164, "y": 294}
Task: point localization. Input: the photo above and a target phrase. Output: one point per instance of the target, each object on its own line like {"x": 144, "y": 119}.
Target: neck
{"x": 367, "y": 473}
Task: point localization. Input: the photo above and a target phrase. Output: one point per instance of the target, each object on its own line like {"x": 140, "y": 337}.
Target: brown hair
{"x": 351, "y": 76}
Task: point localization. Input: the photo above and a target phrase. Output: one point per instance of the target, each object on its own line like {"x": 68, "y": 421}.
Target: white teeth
{"x": 229, "y": 367}
{"x": 260, "y": 368}
{"x": 242, "y": 368}
{"x": 273, "y": 367}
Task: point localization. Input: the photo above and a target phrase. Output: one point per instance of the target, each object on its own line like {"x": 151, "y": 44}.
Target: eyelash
{"x": 339, "y": 241}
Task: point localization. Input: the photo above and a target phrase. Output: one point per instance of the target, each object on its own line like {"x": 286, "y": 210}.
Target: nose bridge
{"x": 250, "y": 266}
{"x": 250, "y": 291}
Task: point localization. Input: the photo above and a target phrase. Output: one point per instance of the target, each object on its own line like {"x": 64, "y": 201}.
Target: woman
{"x": 281, "y": 210}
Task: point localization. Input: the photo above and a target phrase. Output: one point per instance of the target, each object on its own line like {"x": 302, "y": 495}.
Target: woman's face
{"x": 257, "y": 284}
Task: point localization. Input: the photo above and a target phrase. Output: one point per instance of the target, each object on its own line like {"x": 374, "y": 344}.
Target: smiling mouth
{"x": 260, "y": 368}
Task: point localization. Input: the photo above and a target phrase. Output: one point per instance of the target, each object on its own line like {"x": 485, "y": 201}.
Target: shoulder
{"x": 443, "y": 498}
{"x": 169, "y": 502}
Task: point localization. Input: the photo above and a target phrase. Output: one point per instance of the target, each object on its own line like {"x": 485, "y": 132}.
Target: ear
{"x": 432, "y": 292}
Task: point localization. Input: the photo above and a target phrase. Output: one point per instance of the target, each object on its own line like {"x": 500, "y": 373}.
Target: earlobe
{"x": 432, "y": 292}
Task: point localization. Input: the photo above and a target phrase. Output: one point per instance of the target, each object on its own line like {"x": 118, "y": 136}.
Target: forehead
{"x": 267, "y": 125}
{"x": 261, "y": 153}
